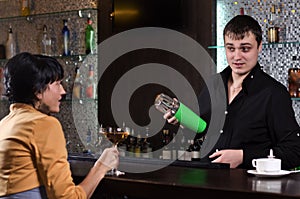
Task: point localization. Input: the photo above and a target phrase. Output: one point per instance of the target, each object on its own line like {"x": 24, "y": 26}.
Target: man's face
{"x": 242, "y": 54}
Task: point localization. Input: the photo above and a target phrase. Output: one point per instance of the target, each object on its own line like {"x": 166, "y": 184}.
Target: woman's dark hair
{"x": 241, "y": 25}
{"x": 26, "y": 74}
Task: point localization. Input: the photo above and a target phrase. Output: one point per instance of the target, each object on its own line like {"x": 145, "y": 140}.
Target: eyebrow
{"x": 242, "y": 44}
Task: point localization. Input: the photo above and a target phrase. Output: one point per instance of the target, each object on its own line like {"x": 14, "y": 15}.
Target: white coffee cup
{"x": 267, "y": 165}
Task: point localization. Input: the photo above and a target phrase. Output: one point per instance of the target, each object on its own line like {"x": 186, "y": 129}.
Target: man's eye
{"x": 245, "y": 49}
{"x": 230, "y": 49}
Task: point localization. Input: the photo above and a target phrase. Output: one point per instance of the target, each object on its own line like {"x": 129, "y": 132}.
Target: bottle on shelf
{"x": 181, "y": 151}
{"x": 78, "y": 85}
{"x": 166, "y": 153}
{"x": 196, "y": 150}
{"x": 138, "y": 146}
{"x": 282, "y": 31}
{"x": 146, "y": 146}
{"x": 188, "y": 152}
{"x": 90, "y": 45}
{"x": 273, "y": 26}
{"x": 90, "y": 90}
{"x": 10, "y": 46}
{"x": 294, "y": 78}
{"x": 66, "y": 38}
{"x": 46, "y": 42}
{"x": 174, "y": 148}
{"x": 25, "y": 8}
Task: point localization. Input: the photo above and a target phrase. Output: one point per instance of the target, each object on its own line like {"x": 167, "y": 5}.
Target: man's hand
{"x": 233, "y": 157}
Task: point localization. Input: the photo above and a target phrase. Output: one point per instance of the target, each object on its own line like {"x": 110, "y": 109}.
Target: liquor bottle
{"x": 273, "y": 26}
{"x": 294, "y": 78}
{"x": 188, "y": 152}
{"x": 181, "y": 150}
{"x": 46, "y": 42}
{"x": 66, "y": 38}
{"x": 25, "y": 8}
{"x": 282, "y": 31}
{"x": 174, "y": 148}
{"x": 78, "y": 85}
{"x": 166, "y": 153}
{"x": 146, "y": 146}
{"x": 10, "y": 47}
{"x": 138, "y": 146}
{"x": 90, "y": 45}
{"x": 196, "y": 150}
{"x": 182, "y": 113}
{"x": 90, "y": 90}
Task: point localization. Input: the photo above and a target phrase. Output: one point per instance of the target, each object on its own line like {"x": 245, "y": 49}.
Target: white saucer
{"x": 263, "y": 174}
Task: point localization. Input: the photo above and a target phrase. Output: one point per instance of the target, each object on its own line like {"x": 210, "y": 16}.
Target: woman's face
{"x": 50, "y": 98}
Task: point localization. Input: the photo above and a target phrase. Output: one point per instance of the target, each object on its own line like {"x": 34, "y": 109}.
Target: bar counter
{"x": 185, "y": 182}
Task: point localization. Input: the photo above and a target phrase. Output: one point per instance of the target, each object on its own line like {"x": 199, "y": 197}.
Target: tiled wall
{"x": 276, "y": 59}
{"x": 28, "y": 31}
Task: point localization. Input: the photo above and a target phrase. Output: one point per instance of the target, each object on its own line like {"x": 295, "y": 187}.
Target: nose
{"x": 237, "y": 54}
{"x": 62, "y": 90}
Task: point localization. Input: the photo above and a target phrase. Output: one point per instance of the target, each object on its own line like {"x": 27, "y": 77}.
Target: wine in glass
{"x": 116, "y": 137}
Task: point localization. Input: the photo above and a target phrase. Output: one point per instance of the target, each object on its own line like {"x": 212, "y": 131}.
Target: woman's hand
{"x": 109, "y": 159}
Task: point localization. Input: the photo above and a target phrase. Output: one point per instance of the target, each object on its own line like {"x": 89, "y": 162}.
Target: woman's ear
{"x": 39, "y": 95}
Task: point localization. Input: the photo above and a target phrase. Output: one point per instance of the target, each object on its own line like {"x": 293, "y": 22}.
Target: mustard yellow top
{"x": 33, "y": 153}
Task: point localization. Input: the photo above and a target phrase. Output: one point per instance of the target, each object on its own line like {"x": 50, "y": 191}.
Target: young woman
{"x": 33, "y": 156}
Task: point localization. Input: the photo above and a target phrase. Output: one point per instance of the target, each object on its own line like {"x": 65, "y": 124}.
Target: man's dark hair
{"x": 239, "y": 26}
{"x": 26, "y": 74}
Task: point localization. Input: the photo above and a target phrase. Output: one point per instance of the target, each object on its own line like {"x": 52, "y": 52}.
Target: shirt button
{"x": 298, "y": 134}
{"x": 226, "y": 112}
{"x": 221, "y": 131}
{"x": 252, "y": 76}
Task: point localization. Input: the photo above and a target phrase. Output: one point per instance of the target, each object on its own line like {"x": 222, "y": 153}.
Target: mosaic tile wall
{"x": 28, "y": 32}
{"x": 276, "y": 59}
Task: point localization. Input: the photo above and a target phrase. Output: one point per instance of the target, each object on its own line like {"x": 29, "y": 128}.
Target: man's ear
{"x": 260, "y": 47}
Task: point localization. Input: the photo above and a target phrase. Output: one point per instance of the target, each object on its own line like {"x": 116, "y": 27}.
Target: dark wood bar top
{"x": 185, "y": 182}
{"x": 180, "y": 182}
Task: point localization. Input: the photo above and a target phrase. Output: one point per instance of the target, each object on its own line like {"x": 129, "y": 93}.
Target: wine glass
{"x": 115, "y": 136}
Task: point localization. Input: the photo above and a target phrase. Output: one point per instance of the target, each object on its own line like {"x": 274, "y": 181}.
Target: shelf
{"x": 78, "y": 58}
{"x": 81, "y": 13}
{"x": 295, "y": 98}
{"x": 280, "y": 44}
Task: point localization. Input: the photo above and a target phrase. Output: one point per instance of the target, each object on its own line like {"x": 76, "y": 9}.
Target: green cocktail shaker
{"x": 182, "y": 113}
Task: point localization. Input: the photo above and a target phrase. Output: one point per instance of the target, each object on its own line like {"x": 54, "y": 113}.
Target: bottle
{"x": 182, "y": 113}
{"x": 181, "y": 151}
{"x": 25, "y": 8}
{"x": 273, "y": 26}
{"x": 66, "y": 38}
{"x": 78, "y": 85}
{"x": 46, "y": 42}
{"x": 174, "y": 149}
{"x": 90, "y": 90}
{"x": 188, "y": 152}
{"x": 10, "y": 47}
{"x": 166, "y": 153}
{"x": 294, "y": 78}
{"x": 138, "y": 146}
{"x": 146, "y": 146}
{"x": 196, "y": 150}
{"x": 90, "y": 45}
{"x": 282, "y": 31}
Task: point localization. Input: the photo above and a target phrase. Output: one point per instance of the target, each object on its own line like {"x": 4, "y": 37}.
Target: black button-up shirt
{"x": 260, "y": 118}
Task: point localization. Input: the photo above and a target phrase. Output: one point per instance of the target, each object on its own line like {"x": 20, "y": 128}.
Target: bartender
{"x": 259, "y": 114}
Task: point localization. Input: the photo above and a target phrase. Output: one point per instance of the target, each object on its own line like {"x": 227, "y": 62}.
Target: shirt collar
{"x": 226, "y": 73}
